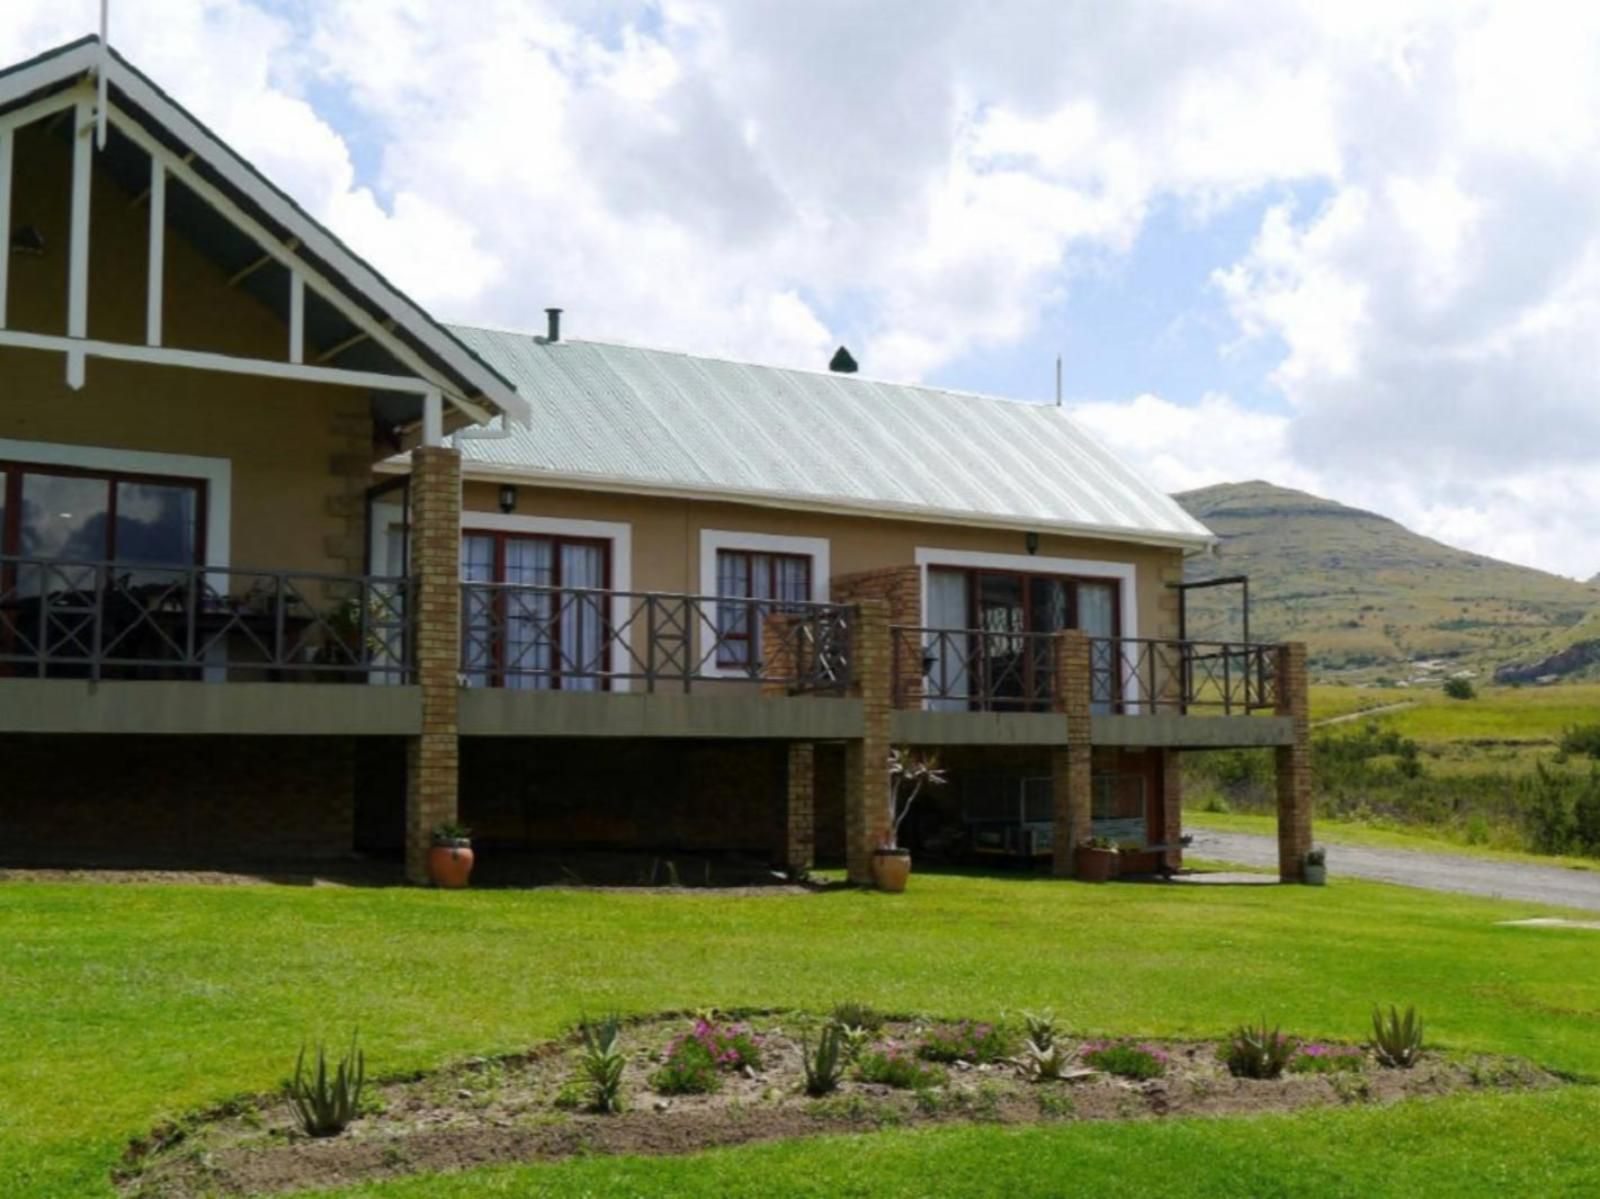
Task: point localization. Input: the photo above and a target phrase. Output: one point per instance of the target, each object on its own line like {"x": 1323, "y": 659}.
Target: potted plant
{"x": 1315, "y": 871}
{"x": 450, "y": 859}
{"x": 909, "y": 772}
{"x": 1096, "y": 859}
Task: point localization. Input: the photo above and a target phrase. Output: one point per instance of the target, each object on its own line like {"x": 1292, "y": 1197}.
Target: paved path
{"x": 1414, "y": 868}
{"x": 1351, "y": 717}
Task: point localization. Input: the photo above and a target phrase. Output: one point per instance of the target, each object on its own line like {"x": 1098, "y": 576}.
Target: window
{"x": 547, "y": 629}
{"x": 754, "y": 575}
{"x": 1117, "y": 807}
{"x": 100, "y": 516}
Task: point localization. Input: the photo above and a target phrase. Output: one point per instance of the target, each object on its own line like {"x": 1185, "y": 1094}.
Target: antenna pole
{"x": 1058, "y": 380}
{"x": 101, "y": 84}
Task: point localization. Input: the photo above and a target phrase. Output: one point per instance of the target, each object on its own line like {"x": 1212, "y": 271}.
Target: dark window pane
{"x": 64, "y": 516}
{"x": 157, "y": 523}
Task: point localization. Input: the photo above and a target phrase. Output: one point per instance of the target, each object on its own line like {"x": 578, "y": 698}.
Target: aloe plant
{"x": 1396, "y": 1040}
{"x": 604, "y": 1062}
{"x": 825, "y": 1063}
{"x": 1255, "y": 1051}
{"x": 1041, "y": 1028}
{"x": 326, "y": 1104}
{"x": 1045, "y": 1063}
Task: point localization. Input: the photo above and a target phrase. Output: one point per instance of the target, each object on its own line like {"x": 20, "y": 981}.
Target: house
{"x": 288, "y": 567}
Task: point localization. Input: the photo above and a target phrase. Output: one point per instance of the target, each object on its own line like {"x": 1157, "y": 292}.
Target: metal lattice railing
{"x": 588, "y": 639}
{"x": 973, "y": 669}
{"x": 118, "y": 620}
{"x": 1129, "y": 674}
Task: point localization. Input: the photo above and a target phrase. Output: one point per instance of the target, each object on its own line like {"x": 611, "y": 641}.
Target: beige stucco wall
{"x": 666, "y": 540}
{"x": 300, "y": 453}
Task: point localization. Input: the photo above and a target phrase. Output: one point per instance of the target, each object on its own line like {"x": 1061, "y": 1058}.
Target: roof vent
{"x": 843, "y": 362}
{"x": 554, "y": 334}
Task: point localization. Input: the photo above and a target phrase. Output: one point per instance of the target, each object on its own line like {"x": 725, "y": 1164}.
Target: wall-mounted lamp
{"x": 1031, "y": 542}
{"x": 508, "y": 497}
{"x": 930, "y": 659}
{"x": 26, "y": 239}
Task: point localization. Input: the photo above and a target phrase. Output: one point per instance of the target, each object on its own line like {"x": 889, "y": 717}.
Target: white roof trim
{"x": 87, "y": 57}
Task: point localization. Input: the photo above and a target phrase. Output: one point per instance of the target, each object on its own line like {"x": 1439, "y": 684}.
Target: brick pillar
{"x": 1172, "y": 804}
{"x": 778, "y": 664}
{"x": 799, "y": 814}
{"x": 866, "y": 795}
{"x": 431, "y": 758}
{"x": 1294, "y": 765}
{"x": 1070, "y": 787}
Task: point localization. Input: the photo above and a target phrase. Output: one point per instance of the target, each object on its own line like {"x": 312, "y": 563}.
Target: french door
{"x": 547, "y": 630}
{"x": 1002, "y": 661}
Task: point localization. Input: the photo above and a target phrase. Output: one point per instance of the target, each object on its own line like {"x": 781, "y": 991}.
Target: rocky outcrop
{"x": 1574, "y": 658}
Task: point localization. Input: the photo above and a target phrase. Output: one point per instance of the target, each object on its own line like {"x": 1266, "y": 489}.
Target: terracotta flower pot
{"x": 1095, "y": 865}
{"x": 450, "y": 865}
{"x": 891, "y": 868}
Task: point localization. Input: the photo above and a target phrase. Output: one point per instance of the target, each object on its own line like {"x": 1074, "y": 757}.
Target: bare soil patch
{"x": 530, "y": 1107}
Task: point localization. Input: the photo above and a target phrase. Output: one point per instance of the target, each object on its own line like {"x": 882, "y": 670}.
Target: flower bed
{"x": 691, "y": 1084}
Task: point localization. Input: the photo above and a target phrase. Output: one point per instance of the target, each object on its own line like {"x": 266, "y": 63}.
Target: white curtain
{"x": 528, "y": 653}
{"x": 1097, "y": 617}
{"x": 582, "y": 618}
{"x": 948, "y": 610}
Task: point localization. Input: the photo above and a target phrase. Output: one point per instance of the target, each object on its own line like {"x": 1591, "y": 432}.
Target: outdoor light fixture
{"x": 1031, "y": 541}
{"x": 508, "y": 497}
{"x": 27, "y": 240}
{"x": 929, "y": 660}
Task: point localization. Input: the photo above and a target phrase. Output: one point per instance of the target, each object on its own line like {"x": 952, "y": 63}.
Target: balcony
{"x": 574, "y": 661}
{"x": 120, "y": 621}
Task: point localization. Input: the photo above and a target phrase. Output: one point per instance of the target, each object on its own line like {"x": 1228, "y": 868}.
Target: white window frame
{"x": 217, "y": 474}
{"x": 712, "y": 541}
{"x": 618, "y": 533}
{"x": 1124, "y": 574}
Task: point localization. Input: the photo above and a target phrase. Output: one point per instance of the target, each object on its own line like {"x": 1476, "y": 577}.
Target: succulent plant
{"x": 1396, "y": 1039}
{"x": 325, "y": 1105}
{"x": 824, "y": 1064}
{"x": 603, "y": 1063}
{"x": 1255, "y": 1051}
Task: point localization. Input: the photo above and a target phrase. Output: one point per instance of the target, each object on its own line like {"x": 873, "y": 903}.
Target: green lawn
{"x": 1497, "y": 714}
{"x": 1341, "y": 832}
{"x": 127, "y": 1004}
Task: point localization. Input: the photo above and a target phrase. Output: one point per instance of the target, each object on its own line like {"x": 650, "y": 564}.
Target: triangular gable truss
{"x": 73, "y": 80}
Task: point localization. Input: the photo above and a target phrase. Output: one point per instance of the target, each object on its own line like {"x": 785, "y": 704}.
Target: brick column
{"x": 778, "y": 664}
{"x": 1294, "y": 765}
{"x": 1070, "y": 787}
{"x": 432, "y": 757}
{"x": 1172, "y": 804}
{"x": 799, "y": 809}
{"x": 866, "y": 794}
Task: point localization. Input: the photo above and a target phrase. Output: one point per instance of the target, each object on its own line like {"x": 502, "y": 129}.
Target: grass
{"x": 1504, "y": 714}
{"x": 127, "y": 1004}
{"x": 1377, "y": 836}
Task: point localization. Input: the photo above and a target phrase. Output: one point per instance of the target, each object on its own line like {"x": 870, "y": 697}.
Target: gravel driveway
{"x": 1411, "y": 868}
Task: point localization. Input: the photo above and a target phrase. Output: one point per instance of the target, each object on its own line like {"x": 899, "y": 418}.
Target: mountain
{"x": 1367, "y": 594}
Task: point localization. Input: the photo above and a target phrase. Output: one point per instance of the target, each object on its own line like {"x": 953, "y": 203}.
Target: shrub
{"x": 892, "y": 1066}
{"x": 1125, "y": 1059}
{"x": 824, "y": 1065}
{"x": 603, "y": 1063}
{"x": 965, "y": 1041}
{"x": 690, "y": 1068}
{"x": 1317, "y": 1058}
{"x": 1045, "y": 1063}
{"x": 1255, "y": 1051}
{"x": 1396, "y": 1039}
{"x": 326, "y": 1105}
{"x": 1582, "y": 740}
{"x": 857, "y": 1015}
{"x": 1460, "y": 689}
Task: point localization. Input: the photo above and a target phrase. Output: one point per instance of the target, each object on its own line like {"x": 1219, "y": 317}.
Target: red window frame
{"x": 11, "y": 473}
{"x": 751, "y": 637}
{"x": 501, "y": 538}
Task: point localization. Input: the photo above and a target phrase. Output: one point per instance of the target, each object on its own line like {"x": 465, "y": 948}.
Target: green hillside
{"x": 1366, "y": 594}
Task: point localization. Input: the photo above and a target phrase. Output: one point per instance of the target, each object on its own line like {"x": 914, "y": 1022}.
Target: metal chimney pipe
{"x": 554, "y": 334}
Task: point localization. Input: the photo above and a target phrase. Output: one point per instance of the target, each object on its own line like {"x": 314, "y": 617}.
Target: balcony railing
{"x": 1134, "y": 675}
{"x": 118, "y": 620}
{"x": 979, "y": 670}
{"x": 972, "y": 670}
{"x": 589, "y": 639}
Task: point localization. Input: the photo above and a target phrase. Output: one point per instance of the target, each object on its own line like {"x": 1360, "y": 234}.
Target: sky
{"x": 1352, "y": 248}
